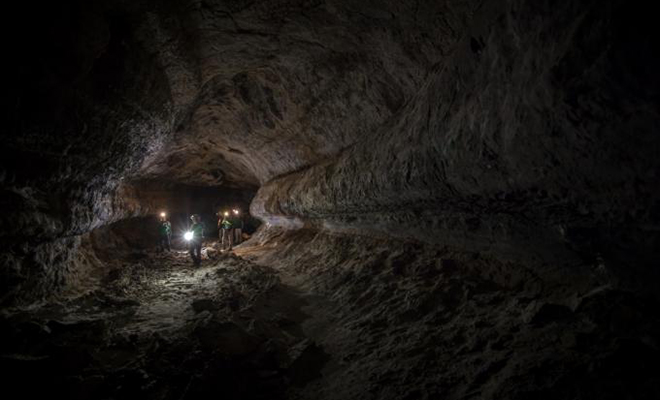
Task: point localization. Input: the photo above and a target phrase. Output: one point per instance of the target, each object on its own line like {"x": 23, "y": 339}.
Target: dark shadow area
{"x": 159, "y": 329}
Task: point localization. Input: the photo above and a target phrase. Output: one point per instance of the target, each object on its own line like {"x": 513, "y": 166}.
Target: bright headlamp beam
{"x": 188, "y": 236}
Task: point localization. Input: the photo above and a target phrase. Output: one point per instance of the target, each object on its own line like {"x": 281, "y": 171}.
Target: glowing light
{"x": 226, "y": 213}
{"x": 235, "y": 211}
{"x": 163, "y": 214}
{"x": 188, "y": 236}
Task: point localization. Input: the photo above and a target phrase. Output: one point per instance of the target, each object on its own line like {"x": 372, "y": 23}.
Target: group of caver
{"x": 230, "y": 228}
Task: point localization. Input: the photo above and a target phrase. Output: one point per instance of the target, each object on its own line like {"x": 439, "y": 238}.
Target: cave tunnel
{"x": 440, "y": 199}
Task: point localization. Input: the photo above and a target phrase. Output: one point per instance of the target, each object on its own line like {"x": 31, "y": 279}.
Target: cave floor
{"x": 313, "y": 316}
{"x": 161, "y": 328}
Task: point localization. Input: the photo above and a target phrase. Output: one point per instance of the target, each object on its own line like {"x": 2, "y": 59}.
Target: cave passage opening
{"x": 177, "y": 202}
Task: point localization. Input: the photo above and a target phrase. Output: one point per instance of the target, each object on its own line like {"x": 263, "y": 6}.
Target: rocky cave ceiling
{"x": 259, "y": 90}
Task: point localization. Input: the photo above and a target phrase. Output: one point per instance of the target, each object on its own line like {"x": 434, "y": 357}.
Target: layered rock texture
{"x": 456, "y": 183}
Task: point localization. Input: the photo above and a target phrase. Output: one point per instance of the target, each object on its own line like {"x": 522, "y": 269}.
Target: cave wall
{"x": 440, "y": 322}
{"x": 196, "y": 93}
{"x": 42, "y": 267}
{"x": 88, "y": 104}
{"x": 520, "y": 128}
{"x": 537, "y": 136}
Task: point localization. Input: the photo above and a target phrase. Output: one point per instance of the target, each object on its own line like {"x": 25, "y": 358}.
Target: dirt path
{"x": 167, "y": 295}
{"x": 160, "y": 328}
{"x": 318, "y": 320}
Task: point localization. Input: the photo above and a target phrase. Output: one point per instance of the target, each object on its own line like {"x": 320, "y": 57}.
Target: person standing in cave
{"x": 219, "y": 215}
{"x": 226, "y": 229}
{"x": 165, "y": 233}
{"x": 197, "y": 230}
{"x": 237, "y": 225}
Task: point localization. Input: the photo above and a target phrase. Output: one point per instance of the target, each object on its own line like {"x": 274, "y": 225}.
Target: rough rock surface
{"x": 417, "y": 321}
{"x": 161, "y": 329}
{"x": 49, "y": 265}
{"x": 460, "y": 197}
{"x": 500, "y": 125}
{"x": 509, "y": 148}
{"x": 196, "y": 92}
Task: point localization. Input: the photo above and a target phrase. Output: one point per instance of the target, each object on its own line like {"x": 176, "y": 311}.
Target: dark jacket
{"x": 237, "y": 222}
{"x": 198, "y": 230}
{"x": 165, "y": 228}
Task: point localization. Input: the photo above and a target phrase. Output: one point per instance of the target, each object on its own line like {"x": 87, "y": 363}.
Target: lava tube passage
{"x": 331, "y": 200}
